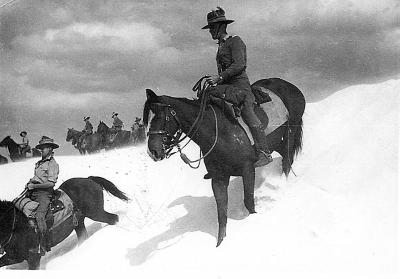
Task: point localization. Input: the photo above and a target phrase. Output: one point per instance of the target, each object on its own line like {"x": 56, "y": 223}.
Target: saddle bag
{"x": 26, "y": 206}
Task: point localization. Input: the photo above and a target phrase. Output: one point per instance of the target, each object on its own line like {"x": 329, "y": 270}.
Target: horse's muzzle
{"x": 153, "y": 155}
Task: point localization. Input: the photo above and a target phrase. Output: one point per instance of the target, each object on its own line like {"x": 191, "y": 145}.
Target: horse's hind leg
{"x": 105, "y": 217}
{"x": 81, "y": 230}
{"x": 248, "y": 177}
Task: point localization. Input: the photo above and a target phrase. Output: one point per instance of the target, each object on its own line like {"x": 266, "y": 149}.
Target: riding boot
{"x": 260, "y": 142}
{"x": 37, "y": 248}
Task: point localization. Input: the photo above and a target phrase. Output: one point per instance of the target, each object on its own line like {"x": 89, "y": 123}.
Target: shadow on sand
{"x": 201, "y": 216}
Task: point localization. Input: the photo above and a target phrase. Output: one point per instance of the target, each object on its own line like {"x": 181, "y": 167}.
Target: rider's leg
{"x": 257, "y": 131}
{"x": 43, "y": 198}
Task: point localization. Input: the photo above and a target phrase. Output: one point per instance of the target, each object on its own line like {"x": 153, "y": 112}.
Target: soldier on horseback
{"x": 40, "y": 189}
{"x": 25, "y": 144}
{"x": 116, "y": 126}
{"x": 232, "y": 83}
{"x": 88, "y": 130}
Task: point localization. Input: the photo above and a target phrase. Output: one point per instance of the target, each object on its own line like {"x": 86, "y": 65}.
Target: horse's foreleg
{"x": 248, "y": 177}
{"x": 220, "y": 189}
{"x": 33, "y": 261}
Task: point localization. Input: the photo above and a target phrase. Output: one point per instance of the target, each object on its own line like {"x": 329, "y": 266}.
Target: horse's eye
{"x": 164, "y": 139}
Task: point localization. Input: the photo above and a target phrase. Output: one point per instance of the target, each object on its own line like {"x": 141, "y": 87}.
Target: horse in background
{"x": 89, "y": 144}
{"x": 15, "y": 150}
{"x": 3, "y": 160}
{"x": 73, "y": 137}
{"x": 138, "y": 134}
{"x": 111, "y": 140}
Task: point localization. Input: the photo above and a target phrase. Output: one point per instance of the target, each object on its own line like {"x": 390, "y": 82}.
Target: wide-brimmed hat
{"x": 46, "y": 141}
{"x": 23, "y": 132}
{"x": 86, "y": 118}
{"x": 114, "y": 114}
{"x": 215, "y": 16}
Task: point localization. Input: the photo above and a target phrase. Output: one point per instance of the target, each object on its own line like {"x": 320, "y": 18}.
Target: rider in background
{"x": 40, "y": 189}
{"x": 117, "y": 123}
{"x": 88, "y": 130}
{"x": 232, "y": 83}
{"x": 24, "y": 144}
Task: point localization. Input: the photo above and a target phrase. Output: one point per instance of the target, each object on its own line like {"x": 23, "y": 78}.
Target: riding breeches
{"x": 43, "y": 198}
{"x": 240, "y": 97}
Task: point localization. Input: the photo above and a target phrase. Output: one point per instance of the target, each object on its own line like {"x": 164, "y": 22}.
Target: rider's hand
{"x": 30, "y": 186}
{"x": 213, "y": 80}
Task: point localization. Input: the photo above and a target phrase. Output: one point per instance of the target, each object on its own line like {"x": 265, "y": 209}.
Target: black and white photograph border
{"x": 330, "y": 74}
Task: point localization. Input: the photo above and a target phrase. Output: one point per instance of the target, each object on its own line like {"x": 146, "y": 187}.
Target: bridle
{"x": 169, "y": 141}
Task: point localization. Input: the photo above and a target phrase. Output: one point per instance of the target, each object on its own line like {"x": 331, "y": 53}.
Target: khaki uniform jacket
{"x": 232, "y": 62}
{"x": 117, "y": 123}
{"x": 46, "y": 170}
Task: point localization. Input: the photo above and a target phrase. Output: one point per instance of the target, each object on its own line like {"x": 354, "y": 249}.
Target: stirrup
{"x": 264, "y": 158}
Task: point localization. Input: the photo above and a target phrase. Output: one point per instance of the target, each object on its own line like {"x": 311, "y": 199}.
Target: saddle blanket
{"x": 62, "y": 215}
{"x": 276, "y": 111}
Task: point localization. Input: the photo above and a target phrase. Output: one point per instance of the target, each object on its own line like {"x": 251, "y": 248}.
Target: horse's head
{"x": 6, "y": 141}
{"x": 163, "y": 126}
{"x": 102, "y": 128}
{"x": 70, "y": 134}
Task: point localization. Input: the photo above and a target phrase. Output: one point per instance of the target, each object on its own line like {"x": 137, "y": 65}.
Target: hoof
{"x": 219, "y": 242}
{"x": 221, "y": 235}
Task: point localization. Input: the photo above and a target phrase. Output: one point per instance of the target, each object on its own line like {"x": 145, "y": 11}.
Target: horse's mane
{"x": 146, "y": 110}
{"x": 5, "y": 205}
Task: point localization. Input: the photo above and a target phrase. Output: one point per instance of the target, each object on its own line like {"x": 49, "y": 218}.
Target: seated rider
{"x": 40, "y": 189}
{"x": 88, "y": 130}
{"x": 137, "y": 123}
{"x": 232, "y": 83}
{"x": 117, "y": 124}
{"x": 25, "y": 144}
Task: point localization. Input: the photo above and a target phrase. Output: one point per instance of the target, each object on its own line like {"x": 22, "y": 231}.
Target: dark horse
{"x": 138, "y": 134}
{"x": 231, "y": 153}
{"x": 15, "y": 149}
{"x": 3, "y": 160}
{"x": 122, "y": 138}
{"x": 16, "y": 237}
{"x": 90, "y": 143}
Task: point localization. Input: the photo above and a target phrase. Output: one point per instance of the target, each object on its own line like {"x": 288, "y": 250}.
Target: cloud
{"x": 78, "y": 37}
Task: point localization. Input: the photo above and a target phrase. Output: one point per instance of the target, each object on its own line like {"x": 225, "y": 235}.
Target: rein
{"x": 175, "y": 140}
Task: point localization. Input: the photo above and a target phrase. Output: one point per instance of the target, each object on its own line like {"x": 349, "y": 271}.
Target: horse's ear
{"x": 150, "y": 94}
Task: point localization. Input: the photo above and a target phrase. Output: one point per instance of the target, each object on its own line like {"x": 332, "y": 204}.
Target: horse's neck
{"x": 187, "y": 112}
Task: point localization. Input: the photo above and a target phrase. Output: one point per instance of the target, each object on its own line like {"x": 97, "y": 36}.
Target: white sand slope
{"x": 336, "y": 219}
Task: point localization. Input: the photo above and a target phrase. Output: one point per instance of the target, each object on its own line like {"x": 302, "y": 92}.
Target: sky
{"x": 63, "y": 60}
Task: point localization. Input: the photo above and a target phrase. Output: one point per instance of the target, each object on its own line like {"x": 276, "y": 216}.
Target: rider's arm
{"x": 239, "y": 59}
{"x": 44, "y": 185}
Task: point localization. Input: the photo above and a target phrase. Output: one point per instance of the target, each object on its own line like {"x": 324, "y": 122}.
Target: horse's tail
{"x": 292, "y": 142}
{"x": 109, "y": 187}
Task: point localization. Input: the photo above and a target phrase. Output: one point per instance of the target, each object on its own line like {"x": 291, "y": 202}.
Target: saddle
{"x": 268, "y": 107}
{"x": 60, "y": 208}
{"x": 230, "y": 109}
